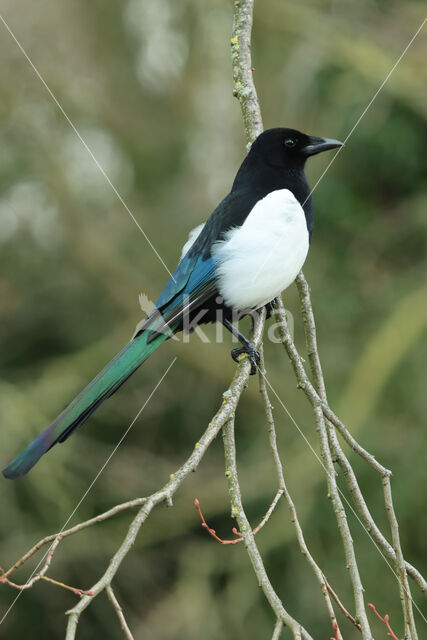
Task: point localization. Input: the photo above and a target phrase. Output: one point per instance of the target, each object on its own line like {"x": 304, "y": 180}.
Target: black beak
{"x": 317, "y": 145}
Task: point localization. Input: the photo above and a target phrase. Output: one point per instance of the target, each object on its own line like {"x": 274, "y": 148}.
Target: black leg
{"x": 247, "y": 347}
{"x": 270, "y": 308}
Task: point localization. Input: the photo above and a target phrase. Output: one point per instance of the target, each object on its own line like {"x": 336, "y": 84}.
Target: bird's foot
{"x": 252, "y": 353}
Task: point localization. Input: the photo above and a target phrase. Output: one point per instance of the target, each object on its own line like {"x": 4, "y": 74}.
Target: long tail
{"x": 112, "y": 376}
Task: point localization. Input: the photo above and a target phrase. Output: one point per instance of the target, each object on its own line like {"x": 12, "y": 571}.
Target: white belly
{"x": 258, "y": 260}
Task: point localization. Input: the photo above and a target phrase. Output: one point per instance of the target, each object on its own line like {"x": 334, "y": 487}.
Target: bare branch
{"x": 316, "y": 369}
{"x": 57, "y": 538}
{"x": 237, "y": 511}
{"x": 333, "y": 491}
{"x": 40, "y": 575}
{"x": 342, "y": 607}
{"x": 386, "y": 621}
{"x": 277, "y": 631}
{"x": 360, "y": 504}
{"x": 243, "y": 84}
{"x": 317, "y": 373}
{"x": 119, "y": 611}
{"x": 283, "y": 487}
{"x": 405, "y": 593}
{"x": 230, "y": 400}
{"x": 239, "y": 538}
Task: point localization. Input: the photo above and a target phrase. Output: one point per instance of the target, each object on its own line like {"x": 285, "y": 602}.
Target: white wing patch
{"x": 258, "y": 260}
{"x": 192, "y": 237}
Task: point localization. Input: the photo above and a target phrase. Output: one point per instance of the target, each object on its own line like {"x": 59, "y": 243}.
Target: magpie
{"x": 250, "y": 249}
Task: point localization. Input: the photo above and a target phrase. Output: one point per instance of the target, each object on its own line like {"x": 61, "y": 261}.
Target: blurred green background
{"x": 148, "y": 85}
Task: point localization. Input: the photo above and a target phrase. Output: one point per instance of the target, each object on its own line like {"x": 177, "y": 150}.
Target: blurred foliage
{"x": 148, "y": 85}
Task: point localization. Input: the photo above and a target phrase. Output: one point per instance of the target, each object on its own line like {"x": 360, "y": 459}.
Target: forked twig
{"x": 283, "y": 486}
{"x": 342, "y": 607}
{"x": 237, "y": 533}
{"x": 41, "y": 576}
{"x": 390, "y": 631}
{"x": 394, "y": 553}
{"x": 57, "y": 538}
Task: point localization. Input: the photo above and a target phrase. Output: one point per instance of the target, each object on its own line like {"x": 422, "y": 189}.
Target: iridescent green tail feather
{"x": 112, "y": 376}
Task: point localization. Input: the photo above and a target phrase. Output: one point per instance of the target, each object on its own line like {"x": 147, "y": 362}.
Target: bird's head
{"x": 289, "y": 148}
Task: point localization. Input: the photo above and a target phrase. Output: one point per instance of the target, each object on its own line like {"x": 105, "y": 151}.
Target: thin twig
{"x": 405, "y": 593}
{"x": 77, "y": 592}
{"x": 336, "y": 628}
{"x": 283, "y": 487}
{"x": 312, "y": 395}
{"x": 341, "y": 606}
{"x": 119, "y": 611}
{"x": 212, "y": 532}
{"x": 277, "y": 631}
{"x": 239, "y": 538}
{"x": 386, "y": 621}
{"x": 333, "y": 492}
{"x": 37, "y": 576}
{"x": 124, "y": 506}
{"x": 28, "y": 585}
{"x": 237, "y": 511}
{"x": 359, "y": 501}
{"x": 243, "y": 84}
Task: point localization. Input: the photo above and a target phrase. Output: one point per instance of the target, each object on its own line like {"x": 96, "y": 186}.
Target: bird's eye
{"x": 290, "y": 143}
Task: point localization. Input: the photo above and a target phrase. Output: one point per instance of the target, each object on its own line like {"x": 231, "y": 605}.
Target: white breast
{"x": 262, "y": 257}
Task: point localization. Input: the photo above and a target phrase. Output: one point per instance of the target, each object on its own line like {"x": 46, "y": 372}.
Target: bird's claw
{"x": 252, "y": 353}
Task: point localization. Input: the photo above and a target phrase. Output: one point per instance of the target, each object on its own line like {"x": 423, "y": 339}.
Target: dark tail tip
{"x": 13, "y": 470}
{"x": 28, "y": 458}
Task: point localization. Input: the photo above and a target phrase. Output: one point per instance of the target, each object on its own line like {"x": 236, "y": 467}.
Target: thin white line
{"x": 294, "y": 421}
{"x": 52, "y": 95}
{"x": 350, "y": 133}
{"x": 369, "y": 104}
{"x": 95, "y": 479}
{"x": 342, "y": 494}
